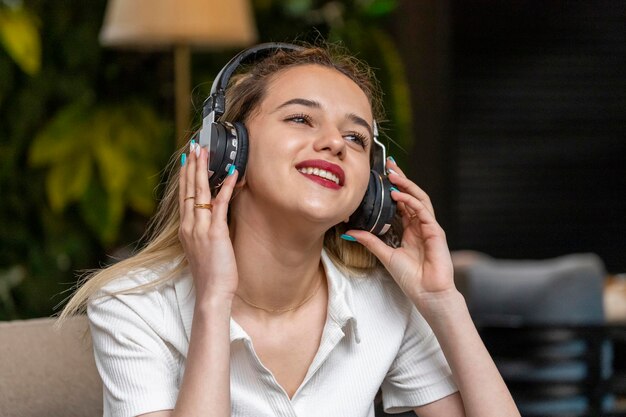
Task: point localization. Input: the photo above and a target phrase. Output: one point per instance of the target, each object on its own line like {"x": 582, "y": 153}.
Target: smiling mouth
{"x": 322, "y": 173}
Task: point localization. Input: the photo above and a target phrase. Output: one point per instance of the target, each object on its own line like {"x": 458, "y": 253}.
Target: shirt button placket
{"x": 281, "y": 404}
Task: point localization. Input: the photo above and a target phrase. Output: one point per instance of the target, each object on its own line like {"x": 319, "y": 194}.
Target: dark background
{"x": 520, "y": 123}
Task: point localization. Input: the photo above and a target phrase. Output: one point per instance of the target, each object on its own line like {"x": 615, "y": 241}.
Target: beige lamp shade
{"x": 156, "y": 24}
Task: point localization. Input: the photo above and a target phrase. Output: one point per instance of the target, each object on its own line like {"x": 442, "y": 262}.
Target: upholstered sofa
{"x": 45, "y": 371}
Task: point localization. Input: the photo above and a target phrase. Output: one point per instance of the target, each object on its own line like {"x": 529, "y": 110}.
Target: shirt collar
{"x": 340, "y": 305}
{"x": 340, "y": 302}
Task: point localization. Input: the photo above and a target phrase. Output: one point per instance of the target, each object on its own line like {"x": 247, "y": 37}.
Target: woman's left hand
{"x": 421, "y": 266}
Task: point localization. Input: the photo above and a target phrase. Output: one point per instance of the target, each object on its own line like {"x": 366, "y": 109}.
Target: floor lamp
{"x": 179, "y": 25}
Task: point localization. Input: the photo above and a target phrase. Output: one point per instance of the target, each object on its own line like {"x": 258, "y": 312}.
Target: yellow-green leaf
{"x": 114, "y": 167}
{"x": 20, "y": 37}
{"x": 67, "y": 182}
{"x": 102, "y": 212}
{"x": 114, "y": 218}
{"x": 141, "y": 191}
{"x": 63, "y": 137}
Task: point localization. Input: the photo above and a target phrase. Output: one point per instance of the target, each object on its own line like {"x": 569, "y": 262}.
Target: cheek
{"x": 361, "y": 186}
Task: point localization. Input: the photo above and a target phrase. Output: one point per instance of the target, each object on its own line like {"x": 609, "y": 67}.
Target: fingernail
{"x": 392, "y": 160}
{"x": 391, "y": 171}
{"x": 231, "y": 170}
{"x": 348, "y": 238}
{"x": 394, "y": 189}
{"x": 193, "y": 142}
{"x": 183, "y": 159}
{"x": 198, "y": 149}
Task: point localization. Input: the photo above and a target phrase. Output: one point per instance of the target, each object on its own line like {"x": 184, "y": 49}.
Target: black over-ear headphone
{"x": 227, "y": 144}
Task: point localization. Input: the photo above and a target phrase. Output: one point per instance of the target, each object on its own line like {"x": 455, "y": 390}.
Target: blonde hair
{"x": 243, "y": 96}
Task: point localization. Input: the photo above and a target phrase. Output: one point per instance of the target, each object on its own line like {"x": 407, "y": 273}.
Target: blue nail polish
{"x": 193, "y": 142}
{"x": 183, "y": 159}
{"x": 392, "y": 160}
{"x": 394, "y": 189}
{"x": 348, "y": 238}
{"x": 231, "y": 170}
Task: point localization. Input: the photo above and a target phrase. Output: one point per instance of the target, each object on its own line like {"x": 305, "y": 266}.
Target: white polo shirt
{"x": 373, "y": 338}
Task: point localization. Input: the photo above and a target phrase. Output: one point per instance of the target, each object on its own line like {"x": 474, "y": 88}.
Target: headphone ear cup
{"x": 216, "y": 142}
{"x": 377, "y": 209}
{"x": 241, "y": 160}
{"x": 228, "y": 145}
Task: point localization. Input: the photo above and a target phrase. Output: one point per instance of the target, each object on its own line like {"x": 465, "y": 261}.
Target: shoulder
{"x": 377, "y": 288}
{"x": 135, "y": 280}
{"x": 138, "y": 341}
{"x": 141, "y": 295}
{"x": 372, "y": 297}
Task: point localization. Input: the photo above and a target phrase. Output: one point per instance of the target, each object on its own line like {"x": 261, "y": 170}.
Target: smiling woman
{"x": 262, "y": 291}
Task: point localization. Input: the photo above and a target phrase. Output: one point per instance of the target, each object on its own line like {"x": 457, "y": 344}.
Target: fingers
{"x": 221, "y": 201}
{"x": 409, "y": 187}
{"x": 186, "y": 194}
{"x": 398, "y": 179}
{"x": 200, "y": 179}
{"x": 186, "y": 183}
{"x": 194, "y": 189}
{"x": 417, "y": 209}
{"x": 379, "y": 248}
{"x": 182, "y": 185}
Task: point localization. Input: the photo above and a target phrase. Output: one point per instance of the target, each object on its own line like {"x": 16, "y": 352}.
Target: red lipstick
{"x": 326, "y": 166}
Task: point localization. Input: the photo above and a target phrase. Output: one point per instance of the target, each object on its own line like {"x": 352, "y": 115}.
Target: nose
{"x": 330, "y": 140}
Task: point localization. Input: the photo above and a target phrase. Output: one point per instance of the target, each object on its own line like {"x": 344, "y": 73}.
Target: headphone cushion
{"x": 363, "y": 218}
{"x": 241, "y": 160}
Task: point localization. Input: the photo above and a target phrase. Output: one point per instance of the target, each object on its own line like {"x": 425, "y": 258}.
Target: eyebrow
{"x": 316, "y": 105}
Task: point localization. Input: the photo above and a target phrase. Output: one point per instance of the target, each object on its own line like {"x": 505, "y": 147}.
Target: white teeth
{"x": 320, "y": 173}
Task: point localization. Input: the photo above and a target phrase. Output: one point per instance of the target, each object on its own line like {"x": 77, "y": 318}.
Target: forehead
{"x": 333, "y": 89}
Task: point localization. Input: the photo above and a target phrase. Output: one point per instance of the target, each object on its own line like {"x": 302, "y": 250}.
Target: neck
{"x": 279, "y": 264}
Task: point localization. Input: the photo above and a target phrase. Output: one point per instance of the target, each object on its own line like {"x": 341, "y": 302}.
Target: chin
{"x": 325, "y": 215}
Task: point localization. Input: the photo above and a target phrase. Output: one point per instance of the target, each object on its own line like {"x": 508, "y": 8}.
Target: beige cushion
{"x": 45, "y": 371}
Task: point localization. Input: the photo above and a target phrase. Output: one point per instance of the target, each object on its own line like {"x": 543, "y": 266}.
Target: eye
{"x": 357, "y": 138}
{"x": 299, "y": 118}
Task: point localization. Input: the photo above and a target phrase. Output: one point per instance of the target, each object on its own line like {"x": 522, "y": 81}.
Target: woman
{"x": 252, "y": 298}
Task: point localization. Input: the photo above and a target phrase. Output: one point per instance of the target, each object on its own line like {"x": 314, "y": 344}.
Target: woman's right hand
{"x": 204, "y": 232}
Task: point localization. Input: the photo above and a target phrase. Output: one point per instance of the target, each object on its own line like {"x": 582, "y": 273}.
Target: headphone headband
{"x": 216, "y": 102}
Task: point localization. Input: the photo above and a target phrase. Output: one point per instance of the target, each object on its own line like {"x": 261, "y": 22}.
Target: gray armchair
{"x": 543, "y": 322}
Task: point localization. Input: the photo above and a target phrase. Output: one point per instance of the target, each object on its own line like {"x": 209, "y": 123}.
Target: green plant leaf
{"x": 102, "y": 212}
{"x": 124, "y": 142}
{"x": 20, "y": 37}
{"x": 297, "y": 7}
{"x": 141, "y": 190}
{"x": 65, "y": 135}
{"x": 379, "y": 8}
{"x": 113, "y": 162}
{"x": 67, "y": 182}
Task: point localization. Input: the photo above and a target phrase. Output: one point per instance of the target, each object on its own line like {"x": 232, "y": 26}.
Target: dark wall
{"x": 532, "y": 148}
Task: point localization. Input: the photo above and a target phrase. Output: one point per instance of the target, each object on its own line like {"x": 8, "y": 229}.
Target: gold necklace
{"x": 283, "y": 310}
